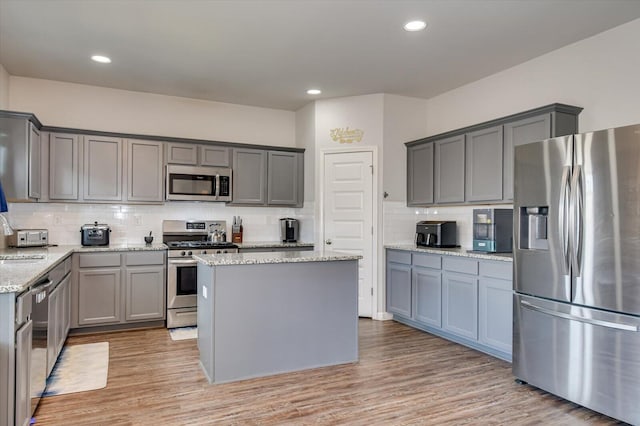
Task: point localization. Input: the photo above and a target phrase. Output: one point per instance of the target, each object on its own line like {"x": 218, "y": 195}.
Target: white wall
{"x": 80, "y": 106}
{"x": 4, "y": 88}
{"x": 305, "y": 138}
{"x": 599, "y": 74}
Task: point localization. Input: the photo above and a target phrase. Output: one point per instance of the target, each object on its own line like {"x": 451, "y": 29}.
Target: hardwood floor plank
{"x": 403, "y": 377}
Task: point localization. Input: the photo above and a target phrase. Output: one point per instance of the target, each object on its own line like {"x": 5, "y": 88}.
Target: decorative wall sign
{"x": 346, "y": 135}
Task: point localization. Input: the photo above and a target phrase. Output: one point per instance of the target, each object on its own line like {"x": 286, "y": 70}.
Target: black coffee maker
{"x": 289, "y": 229}
{"x": 436, "y": 233}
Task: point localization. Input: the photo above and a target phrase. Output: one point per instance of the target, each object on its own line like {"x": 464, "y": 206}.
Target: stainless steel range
{"x": 184, "y": 239}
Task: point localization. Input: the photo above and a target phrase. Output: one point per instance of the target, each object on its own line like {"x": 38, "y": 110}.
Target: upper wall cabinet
{"x": 474, "y": 165}
{"x": 420, "y": 175}
{"x": 102, "y": 168}
{"x": 64, "y": 167}
{"x": 484, "y": 165}
{"x": 449, "y": 170}
{"x": 198, "y": 155}
{"x": 144, "y": 178}
{"x": 20, "y": 162}
{"x": 267, "y": 178}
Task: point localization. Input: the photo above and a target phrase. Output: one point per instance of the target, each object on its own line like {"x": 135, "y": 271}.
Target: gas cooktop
{"x": 200, "y": 244}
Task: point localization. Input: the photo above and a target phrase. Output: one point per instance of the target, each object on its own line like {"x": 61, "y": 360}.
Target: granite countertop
{"x": 273, "y": 257}
{"x": 271, "y": 244}
{"x": 462, "y": 252}
{"x": 22, "y": 267}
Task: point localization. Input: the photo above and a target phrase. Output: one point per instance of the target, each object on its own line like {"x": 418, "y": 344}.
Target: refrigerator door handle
{"x": 602, "y": 323}
{"x": 575, "y": 229}
{"x": 563, "y": 218}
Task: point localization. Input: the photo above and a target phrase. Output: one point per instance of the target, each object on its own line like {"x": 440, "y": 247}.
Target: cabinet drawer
{"x": 502, "y": 270}
{"x": 398, "y": 256}
{"x": 145, "y": 258}
{"x": 67, "y": 265}
{"x": 57, "y": 273}
{"x": 427, "y": 261}
{"x": 463, "y": 266}
{"x": 99, "y": 260}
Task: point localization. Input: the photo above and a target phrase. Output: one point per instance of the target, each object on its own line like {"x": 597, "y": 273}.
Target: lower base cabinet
{"x": 466, "y": 300}
{"x": 118, "y": 287}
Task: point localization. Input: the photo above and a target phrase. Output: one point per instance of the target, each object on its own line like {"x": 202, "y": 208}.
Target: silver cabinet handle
{"x": 328, "y": 242}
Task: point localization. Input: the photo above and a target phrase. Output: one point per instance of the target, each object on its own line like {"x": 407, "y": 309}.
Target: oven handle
{"x": 183, "y": 262}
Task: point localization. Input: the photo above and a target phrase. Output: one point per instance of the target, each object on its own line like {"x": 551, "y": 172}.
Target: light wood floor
{"x": 404, "y": 377}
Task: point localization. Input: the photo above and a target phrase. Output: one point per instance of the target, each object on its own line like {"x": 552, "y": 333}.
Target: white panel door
{"x": 348, "y": 215}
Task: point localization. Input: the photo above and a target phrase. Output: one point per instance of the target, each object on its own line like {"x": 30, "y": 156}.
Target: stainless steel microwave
{"x": 188, "y": 183}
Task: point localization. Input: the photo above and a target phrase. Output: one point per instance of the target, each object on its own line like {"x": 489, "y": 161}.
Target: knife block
{"x": 236, "y": 237}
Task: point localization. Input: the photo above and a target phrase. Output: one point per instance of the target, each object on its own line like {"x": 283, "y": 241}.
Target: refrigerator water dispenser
{"x": 533, "y": 228}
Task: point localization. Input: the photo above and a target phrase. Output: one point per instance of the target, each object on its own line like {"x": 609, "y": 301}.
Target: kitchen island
{"x": 267, "y": 313}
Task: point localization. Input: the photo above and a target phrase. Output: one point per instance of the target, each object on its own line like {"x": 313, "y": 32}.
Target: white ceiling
{"x": 268, "y": 52}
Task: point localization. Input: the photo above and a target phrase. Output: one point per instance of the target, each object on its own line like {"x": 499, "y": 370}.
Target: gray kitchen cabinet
{"x": 145, "y": 171}
{"x": 99, "y": 296}
{"x": 483, "y": 174}
{"x": 460, "y": 304}
{"x": 58, "y": 314}
{"x": 459, "y": 298}
{"x": 249, "y": 176}
{"x": 427, "y": 287}
{"x": 198, "y": 155}
{"x": 420, "y": 175}
{"x": 23, "y": 374}
{"x": 214, "y": 156}
{"x": 115, "y": 288}
{"x": 64, "y": 167}
{"x": 284, "y": 178}
{"x": 182, "y": 153}
{"x": 495, "y": 305}
{"x": 145, "y": 293}
{"x": 449, "y": 159}
{"x": 53, "y": 327}
{"x": 35, "y": 165}
{"x": 102, "y": 168}
{"x": 399, "y": 298}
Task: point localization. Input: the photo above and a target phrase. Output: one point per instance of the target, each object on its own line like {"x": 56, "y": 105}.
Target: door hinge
{"x": 371, "y": 166}
{"x": 372, "y": 291}
{"x": 372, "y": 230}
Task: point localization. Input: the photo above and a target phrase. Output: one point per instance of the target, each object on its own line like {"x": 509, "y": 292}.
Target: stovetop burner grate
{"x": 200, "y": 244}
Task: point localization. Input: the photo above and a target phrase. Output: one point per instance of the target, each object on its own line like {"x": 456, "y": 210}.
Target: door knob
{"x": 328, "y": 242}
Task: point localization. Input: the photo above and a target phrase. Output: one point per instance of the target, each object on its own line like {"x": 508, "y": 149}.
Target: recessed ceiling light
{"x": 101, "y": 59}
{"x": 415, "y": 26}
{"x": 314, "y": 91}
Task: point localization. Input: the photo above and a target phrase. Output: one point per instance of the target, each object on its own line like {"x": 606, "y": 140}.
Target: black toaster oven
{"x": 436, "y": 233}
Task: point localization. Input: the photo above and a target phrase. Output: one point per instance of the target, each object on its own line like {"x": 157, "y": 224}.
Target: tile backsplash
{"x": 400, "y": 221}
{"x": 130, "y": 223}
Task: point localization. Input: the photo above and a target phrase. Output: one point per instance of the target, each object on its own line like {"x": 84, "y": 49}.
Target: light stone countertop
{"x": 271, "y": 244}
{"x": 272, "y": 257}
{"x": 462, "y": 252}
{"x": 22, "y": 267}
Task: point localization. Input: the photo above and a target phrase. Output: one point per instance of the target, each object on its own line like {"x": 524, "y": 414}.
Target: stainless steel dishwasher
{"x": 40, "y": 317}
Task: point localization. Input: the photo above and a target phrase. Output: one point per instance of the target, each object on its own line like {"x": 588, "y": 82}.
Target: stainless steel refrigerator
{"x": 577, "y": 269}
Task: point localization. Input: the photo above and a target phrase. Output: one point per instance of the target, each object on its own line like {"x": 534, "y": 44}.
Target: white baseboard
{"x": 383, "y": 316}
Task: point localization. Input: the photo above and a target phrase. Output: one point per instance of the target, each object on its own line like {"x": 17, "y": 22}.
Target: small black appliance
{"x": 436, "y": 233}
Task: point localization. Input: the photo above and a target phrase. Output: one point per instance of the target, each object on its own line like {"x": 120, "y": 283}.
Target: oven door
{"x": 182, "y": 286}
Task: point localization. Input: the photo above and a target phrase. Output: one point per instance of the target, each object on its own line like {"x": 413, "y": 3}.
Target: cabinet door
{"x": 144, "y": 171}
{"x": 35, "y": 166}
{"x": 420, "y": 175}
{"x": 449, "y": 170}
{"x": 99, "y": 296}
{"x": 519, "y": 133}
{"x": 102, "y": 168}
{"x": 211, "y": 155}
{"x": 283, "y": 178}
{"x": 53, "y": 328}
{"x": 460, "y": 304}
{"x": 64, "y": 166}
{"x": 427, "y": 287}
{"x": 399, "y": 289}
{"x": 495, "y": 313}
{"x": 484, "y": 165}
{"x": 145, "y": 293}
{"x": 23, "y": 374}
{"x": 249, "y": 176}
{"x": 182, "y": 153}
{"x": 63, "y": 314}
